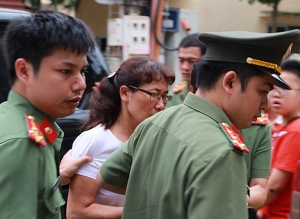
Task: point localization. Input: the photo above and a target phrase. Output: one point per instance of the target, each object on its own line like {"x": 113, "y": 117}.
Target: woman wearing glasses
{"x": 136, "y": 91}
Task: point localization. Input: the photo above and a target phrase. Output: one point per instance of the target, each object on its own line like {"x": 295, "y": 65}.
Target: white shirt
{"x": 99, "y": 144}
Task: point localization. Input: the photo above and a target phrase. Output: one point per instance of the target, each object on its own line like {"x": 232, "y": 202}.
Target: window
{"x": 280, "y": 28}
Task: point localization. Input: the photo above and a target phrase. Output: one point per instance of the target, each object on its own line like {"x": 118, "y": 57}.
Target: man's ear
{"x": 229, "y": 81}
{"x": 191, "y": 89}
{"x": 23, "y": 70}
{"x": 124, "y": 91}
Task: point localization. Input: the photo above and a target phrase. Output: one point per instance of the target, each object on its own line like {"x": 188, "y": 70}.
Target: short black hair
{"x": 38, "y": 35}
{"x": 205, "y": 74}
{"x": 291, "y": 65}
{"x": 192, "y": 40}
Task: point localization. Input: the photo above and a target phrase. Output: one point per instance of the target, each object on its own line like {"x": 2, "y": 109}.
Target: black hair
{"x": 192, "y": 40}
{"x": 205, "y": 74}
{"x": 38, "y": 35}
{"x": 105, "y": 101}
{"x": 291, "y": 65}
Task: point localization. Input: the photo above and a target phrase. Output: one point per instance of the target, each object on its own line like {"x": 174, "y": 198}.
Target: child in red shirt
{"x": 286, "y": 144}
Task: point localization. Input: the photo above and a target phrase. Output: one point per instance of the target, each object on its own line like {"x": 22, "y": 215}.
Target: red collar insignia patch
{"x": 49, "y": 132}
{"x": 233, "y": 137}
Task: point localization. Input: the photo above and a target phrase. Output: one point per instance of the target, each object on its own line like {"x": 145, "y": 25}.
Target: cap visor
{"x": 279, "y": 81}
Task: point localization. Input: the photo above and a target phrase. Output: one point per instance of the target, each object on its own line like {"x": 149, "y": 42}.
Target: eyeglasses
{"x": 282, "y": 92}
{"x": 153, "y": 96}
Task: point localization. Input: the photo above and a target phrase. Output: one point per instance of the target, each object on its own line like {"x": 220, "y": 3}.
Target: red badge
{"x": 49, "y": 132}
{"x": 238, "y": 133}
{"x": 233, "y": 137}
{"x": 34, "y": 133}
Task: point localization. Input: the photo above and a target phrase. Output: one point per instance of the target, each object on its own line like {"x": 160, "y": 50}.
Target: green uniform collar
{"x": 203, "y": 106}
{"x": 26, "y": 107}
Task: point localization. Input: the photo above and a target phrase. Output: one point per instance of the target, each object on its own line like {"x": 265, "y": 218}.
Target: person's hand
{"x": 69, "y": 165}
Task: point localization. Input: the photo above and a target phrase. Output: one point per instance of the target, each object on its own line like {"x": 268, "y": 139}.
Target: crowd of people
{"x": 211, "y": 153}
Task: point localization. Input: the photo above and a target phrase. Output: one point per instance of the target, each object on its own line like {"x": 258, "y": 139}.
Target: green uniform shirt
{"x": 258, "y": 141}
{"x": 178, "y": 97}
{"x": 28, "y": 171}
{"x": 179, "y": 164}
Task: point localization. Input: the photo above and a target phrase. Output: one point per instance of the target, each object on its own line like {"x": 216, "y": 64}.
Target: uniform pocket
{"x": 54, "y": 201}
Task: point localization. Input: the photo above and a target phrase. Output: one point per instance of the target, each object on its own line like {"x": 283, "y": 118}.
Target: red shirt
{"x": 285, "y": 155}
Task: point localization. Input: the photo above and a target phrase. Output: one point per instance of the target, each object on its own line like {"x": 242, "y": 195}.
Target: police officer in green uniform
{"x": 190, "y": 50}
{"x": 257, "y": 138}
{"x": 187, "y": 161}
{"x": 258, "y": 161}
{"x": 46, "y": 60}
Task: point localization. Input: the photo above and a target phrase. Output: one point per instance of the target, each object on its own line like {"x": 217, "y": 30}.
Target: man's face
{"x": 59, "y": 84}
{"x": 245, "y": 107}
{"x": 286, "y": 102}
{"x": 187, "y": 58}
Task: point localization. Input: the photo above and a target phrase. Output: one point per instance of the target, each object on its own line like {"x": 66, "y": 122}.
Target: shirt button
{"x": 57, "y": 207}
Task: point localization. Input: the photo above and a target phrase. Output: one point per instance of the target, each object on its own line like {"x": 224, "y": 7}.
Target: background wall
{"x": 208, "y": 15}
{"x": 215, "y": 15}
{"x": 94, "y": 14}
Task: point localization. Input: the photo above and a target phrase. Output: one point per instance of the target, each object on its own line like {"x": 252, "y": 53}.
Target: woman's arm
{"x": 104, "y": 185}
{"x": 81, "y": 201}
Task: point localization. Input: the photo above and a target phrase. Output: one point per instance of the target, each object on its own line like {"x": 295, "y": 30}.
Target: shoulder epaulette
{"x": 38, "y": 133}
{"x": 178, "y": 87}
{"x": 263, "y": 120}
{"x": 233, "y": 137}
{"x": 34, "y": 132}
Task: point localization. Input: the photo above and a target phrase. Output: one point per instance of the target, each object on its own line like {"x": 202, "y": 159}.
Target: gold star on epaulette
{"x": 263, "y": 120}
{"x": 178, "y": 87}
{"x": 34, "y": 133}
